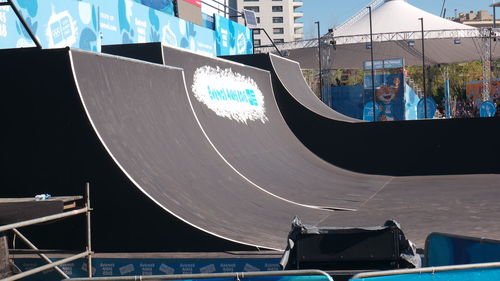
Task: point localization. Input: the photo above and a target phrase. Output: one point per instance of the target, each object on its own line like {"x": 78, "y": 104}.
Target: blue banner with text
{"x": 232, "y": 38}
{"x": 55, "y": 23}
{"x": 88, "y": 24}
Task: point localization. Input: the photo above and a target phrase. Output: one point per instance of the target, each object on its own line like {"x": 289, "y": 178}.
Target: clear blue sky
{"x": 334, "y": 12}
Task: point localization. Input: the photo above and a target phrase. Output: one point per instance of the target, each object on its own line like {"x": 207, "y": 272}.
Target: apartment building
{"x": 219, "y": 7}
{"x": 279, "y": 18}
{"x": 480, "y": 18}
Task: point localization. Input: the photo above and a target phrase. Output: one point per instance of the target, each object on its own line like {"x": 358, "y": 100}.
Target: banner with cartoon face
{"x": 389, "y": 89}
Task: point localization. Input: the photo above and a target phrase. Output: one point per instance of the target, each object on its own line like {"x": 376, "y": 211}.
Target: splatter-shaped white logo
{"x": 229, "y": 94}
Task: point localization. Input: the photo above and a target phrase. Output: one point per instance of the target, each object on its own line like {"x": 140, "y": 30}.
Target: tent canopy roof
{"x": 398, "y": 16}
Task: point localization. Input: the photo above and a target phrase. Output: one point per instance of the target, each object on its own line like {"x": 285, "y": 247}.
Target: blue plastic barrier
{"x": 447, "y": 249}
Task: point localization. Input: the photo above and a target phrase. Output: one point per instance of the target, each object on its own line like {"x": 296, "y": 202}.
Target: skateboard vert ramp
{"x": 421, "y": 204}
{"x": 262, "y": 150}
{"x": 128, "y": 128}
{"x": 398, "y": 148}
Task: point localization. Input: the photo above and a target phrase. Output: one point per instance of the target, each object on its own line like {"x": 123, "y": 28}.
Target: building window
{"x": 252, "y": 8}
{"x": 277, "y": 8}
{"x": 258, "y": 19}
{"x": 256, "y": 31}
{"x": 279, "y": 30}
{"x": 277, "y": 19}
{"x": 279, "y": 40}
{"x": 256, "y": 42}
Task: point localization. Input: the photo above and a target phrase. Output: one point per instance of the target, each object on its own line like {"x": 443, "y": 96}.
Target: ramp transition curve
{"x": 399, "y": 148}
{"x": 422, "y": 204}
{"x": 170, "y": 174}
{"x": 128, "y": 128}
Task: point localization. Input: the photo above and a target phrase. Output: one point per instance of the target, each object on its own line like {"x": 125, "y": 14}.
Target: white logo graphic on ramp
{"x": 228, "y": 94}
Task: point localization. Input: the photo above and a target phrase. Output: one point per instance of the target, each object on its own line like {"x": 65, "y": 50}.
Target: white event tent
{"x": 397, "y": 33}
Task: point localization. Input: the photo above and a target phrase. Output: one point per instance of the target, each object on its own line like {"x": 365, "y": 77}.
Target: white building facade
{"x": 279, "y": 18}
{"x": 219, "y": 7}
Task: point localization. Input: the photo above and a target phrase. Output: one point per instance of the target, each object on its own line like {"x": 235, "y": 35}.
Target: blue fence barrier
{"x": 447, "y": 249}
{"x": 481, "y": 274}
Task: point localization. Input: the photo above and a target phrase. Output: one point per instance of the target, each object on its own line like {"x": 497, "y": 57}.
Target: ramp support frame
{"x": 51, "y": 264}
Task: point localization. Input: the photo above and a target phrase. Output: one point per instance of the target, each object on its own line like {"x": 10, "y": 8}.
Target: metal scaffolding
{"x": 331, "y": 39}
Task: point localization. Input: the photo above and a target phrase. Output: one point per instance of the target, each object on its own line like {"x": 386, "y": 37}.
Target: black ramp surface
{"x": 289, "y": 80}
{"x": 128, "y": 128}
{"x": 400, "y": 148}
{"x": 290, "y": 74}
{"x": 265, "y": 151}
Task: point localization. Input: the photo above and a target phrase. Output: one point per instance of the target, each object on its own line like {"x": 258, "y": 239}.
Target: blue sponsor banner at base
{"x": 153, "y": 266}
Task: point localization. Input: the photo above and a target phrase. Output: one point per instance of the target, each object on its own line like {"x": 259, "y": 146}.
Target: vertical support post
{"x": 372, "y": 65}
{"x": 253, "y": 41}
{"x": 491, "y": 58}
{"x": 89, "y": 235}
{"x": 423, "y": 68}
{"x": 319, "y": 62}
{"x": 494, "y": 16}
{"x": 225, "y": 8}
{"x": 486, "y": 60}
{"x": 447, "y": 92}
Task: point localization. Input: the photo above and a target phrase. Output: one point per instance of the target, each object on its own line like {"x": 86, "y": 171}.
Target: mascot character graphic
{"x": 386, "y": 96}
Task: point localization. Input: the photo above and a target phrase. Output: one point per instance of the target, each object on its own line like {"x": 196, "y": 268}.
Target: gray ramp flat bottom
{"x": 465, "y": 205}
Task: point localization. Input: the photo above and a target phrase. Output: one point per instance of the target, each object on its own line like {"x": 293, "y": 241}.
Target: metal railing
{"x": 426, "y": 270}
{"x": 269, "y": 37}
{"x": 229, "y": 8}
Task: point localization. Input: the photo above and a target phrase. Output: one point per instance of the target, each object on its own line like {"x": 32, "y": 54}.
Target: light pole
{"x": 319, "y": 62}
{"x": 423, "y": 69}
{"x": 373, "y": 67}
